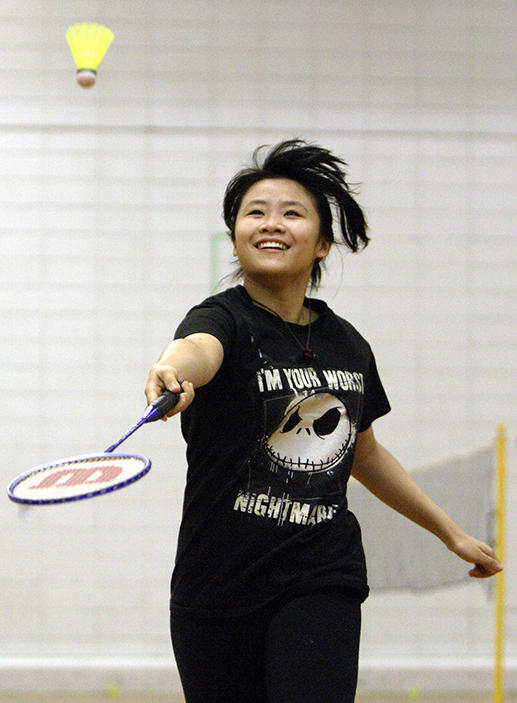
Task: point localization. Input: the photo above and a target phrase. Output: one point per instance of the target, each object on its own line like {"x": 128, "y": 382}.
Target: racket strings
{"x": 78, "y": 477}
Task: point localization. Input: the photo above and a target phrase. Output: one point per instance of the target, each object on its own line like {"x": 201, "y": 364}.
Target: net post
{"x": 500, "y": 470}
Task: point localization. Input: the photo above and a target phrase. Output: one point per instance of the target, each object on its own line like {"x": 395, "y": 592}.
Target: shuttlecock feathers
{"x": 88, "y": 43}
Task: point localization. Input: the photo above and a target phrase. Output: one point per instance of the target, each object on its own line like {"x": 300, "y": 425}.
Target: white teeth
{"x": 272, "y": 245}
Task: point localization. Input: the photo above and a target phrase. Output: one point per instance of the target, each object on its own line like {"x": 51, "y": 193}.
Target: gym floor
{"x": 116, "y": 697}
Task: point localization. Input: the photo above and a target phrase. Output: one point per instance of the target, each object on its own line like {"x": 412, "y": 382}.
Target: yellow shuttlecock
{"x": 88, "y": 43}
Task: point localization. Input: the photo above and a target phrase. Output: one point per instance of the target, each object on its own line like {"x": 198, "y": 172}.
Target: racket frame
{"x": 146, "y": 465}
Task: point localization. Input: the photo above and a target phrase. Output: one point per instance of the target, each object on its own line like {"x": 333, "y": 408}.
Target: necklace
{"x": 308, "y": 356}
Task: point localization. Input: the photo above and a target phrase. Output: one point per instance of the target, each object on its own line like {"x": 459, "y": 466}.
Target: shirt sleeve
{"x": 209, "y": 317}
{"x": 376, "y": 402}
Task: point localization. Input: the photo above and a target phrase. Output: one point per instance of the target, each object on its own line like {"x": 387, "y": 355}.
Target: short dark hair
{"x": 321, "y": 173}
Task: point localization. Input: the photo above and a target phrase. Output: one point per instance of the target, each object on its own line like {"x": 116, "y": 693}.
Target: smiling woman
{"x": 278, "y": 400}
{"x": 277, "y": 239}
{"x": 322, "y": 178}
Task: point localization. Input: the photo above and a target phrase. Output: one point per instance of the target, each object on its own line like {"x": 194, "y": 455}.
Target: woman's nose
{"x": 272, "y": 224}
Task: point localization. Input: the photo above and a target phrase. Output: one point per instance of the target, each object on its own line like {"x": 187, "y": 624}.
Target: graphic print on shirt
{"x": 302, "y": 462}
{"x": 313, "y": 436}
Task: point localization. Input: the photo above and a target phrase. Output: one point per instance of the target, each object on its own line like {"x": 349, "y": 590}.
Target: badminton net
{"x": 401, "y": 555}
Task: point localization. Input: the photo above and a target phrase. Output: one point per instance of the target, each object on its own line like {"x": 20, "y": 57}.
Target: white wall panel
{"x": 110, "y": 199}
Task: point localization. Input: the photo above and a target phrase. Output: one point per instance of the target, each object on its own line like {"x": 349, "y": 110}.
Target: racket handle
{"x": 160, "y": 406}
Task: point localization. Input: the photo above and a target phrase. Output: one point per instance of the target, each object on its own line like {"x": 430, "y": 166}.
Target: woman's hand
{"x": 482, "y": 555}
{"x": 163, "y": 376}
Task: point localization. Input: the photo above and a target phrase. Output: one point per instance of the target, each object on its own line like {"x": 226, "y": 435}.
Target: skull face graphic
{"x": 313, "y": 436}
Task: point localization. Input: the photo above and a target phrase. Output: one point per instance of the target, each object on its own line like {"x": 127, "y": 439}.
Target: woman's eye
{"x": 292, "y": 213}
{"x": 255, "y": 212}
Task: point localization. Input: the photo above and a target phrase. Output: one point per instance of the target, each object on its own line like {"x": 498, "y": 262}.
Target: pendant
{"x": 308, "y": 355}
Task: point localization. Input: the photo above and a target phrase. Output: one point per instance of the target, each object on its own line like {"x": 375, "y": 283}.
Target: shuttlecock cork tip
{"x": 86, "y": 77}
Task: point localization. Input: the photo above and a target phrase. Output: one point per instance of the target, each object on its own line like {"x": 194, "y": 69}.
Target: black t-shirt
{"x": 270, "y": 444}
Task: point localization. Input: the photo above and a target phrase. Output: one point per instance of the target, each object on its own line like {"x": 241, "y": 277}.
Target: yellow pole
{"x": 500, "y": 547}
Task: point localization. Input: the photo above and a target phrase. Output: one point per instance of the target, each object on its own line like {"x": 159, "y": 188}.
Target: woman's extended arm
{"x": 383, "y": 476}
{"x": 192, "y": 360}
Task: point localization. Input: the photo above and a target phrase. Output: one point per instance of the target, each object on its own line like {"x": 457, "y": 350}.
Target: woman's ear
{"x": 234, "y": 248}
{"x": 323, "y": 248}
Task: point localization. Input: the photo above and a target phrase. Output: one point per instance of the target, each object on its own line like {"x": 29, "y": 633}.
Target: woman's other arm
{"x": 383, "y": 476}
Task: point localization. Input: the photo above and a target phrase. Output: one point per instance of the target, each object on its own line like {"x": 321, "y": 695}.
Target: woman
{"x": 270, "y": 573}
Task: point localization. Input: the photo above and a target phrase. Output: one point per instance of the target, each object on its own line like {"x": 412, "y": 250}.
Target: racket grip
{"x": 161, "y": 406}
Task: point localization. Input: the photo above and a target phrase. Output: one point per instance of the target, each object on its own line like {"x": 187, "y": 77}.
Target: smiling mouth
{"x": 278, "y": 246}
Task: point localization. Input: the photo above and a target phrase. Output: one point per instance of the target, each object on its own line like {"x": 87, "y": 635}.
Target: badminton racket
{"x": 89, "y": 475}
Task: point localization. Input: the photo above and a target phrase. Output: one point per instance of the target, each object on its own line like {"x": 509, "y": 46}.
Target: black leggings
{"x": 302, "y": 651}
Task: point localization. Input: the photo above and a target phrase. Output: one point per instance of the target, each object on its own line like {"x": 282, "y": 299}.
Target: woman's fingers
{"x": 185, "y": 399}
{"x": 481, "y": 555}
{"x": 163, "y": 377}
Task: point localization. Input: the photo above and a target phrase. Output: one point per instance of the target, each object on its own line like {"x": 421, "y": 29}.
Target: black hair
{"x": 321, "y": 173}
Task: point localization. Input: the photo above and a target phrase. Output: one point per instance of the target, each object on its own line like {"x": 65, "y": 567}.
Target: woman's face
{"x": 277, "y": 231}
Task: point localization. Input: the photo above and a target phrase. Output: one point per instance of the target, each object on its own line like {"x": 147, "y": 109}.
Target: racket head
{"x": 77, "y": 478}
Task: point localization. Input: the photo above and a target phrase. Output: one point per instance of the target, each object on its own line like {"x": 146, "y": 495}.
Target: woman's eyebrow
{"x": 256, "y": 201}
{"x": 293, "y": 203}
{"x": 284, "y": 203}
